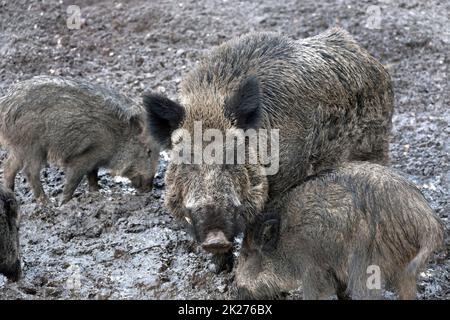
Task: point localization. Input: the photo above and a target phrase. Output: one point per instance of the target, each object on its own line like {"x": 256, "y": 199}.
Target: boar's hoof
{"x": 65, "y": 200}
{"x": 143, "y": 185}
{"x": 94, "y": 188}
{"x": 343, "y": 295}
{"x": 223, "y": 262}
{"x": 216, "y": 242}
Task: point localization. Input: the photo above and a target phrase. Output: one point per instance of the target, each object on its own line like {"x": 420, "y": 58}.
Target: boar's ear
{"x": 269, "y": 234}
{"x": 164, "y": 116}
{"x": 243, "y": 107}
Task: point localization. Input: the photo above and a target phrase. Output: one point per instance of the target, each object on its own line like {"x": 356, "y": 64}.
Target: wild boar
{"x": 336, "y": 233}
{"x": 9, "y": 236}
{"x": 330, "y": 100}
{"x": 79, "y": 126}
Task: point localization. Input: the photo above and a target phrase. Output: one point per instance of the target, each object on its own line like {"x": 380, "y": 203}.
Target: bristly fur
{"x": 77, "y": 125}
{"x": 9, "y": 235}
{"x": 335, "y": 226}
{"x": 120, "y": 105}
{"x": 329, "y": 98}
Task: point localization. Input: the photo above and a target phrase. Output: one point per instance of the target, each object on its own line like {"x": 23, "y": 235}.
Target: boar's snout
{"x": 214, "y": 226}
{"x": 216, "y": 242}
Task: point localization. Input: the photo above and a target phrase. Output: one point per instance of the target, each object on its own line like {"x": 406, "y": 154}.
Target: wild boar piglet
{"x": 79, "y": 126}
{"x": 350, "y": 231}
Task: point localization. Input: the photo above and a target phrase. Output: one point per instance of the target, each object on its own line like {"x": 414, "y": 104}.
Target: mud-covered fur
{"x": 330, "y": 99}
{"x": 330, "y": 229}
{"x": 79, "y": 126}
{"x": 9, "y": 235}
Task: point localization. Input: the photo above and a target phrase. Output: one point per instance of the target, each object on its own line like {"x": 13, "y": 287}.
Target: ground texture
{"x": 120, "y": 244}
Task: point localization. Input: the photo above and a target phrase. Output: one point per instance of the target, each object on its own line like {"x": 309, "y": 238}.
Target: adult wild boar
{"x": 347, "y": 231}
{"x": 330, "y": 100}
{"x": 9, "y": 235}
{"x": 79, "y": 126}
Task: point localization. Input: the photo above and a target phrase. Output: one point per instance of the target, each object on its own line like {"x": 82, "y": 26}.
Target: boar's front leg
{"x": 224, "y": 261}
{"x": 11, "y": 168}
{"x": 406, "y": 285}
{"x": 93, "y": 180}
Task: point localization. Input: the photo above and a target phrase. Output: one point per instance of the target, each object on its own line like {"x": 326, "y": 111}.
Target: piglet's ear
{"x": 243, "y": 107}
{"x": 164, "y": 116}
{"x": 269, "y": 234}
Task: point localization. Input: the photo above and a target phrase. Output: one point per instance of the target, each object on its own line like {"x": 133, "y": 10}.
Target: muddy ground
{"x": 120, "y": 244}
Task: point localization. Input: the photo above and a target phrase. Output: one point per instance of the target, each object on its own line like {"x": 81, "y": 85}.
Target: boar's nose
{"x": 216, "y": 242}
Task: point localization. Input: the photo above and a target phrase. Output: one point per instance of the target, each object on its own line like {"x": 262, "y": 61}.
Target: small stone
{"x": 212, "y": 267}
{"x": 119, "y": 253}
{"x": 222, "y": 288}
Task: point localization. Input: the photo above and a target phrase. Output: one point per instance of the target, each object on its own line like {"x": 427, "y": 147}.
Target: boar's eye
{"x": 269, "y": 234}
{"x": 189, "y": 220}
